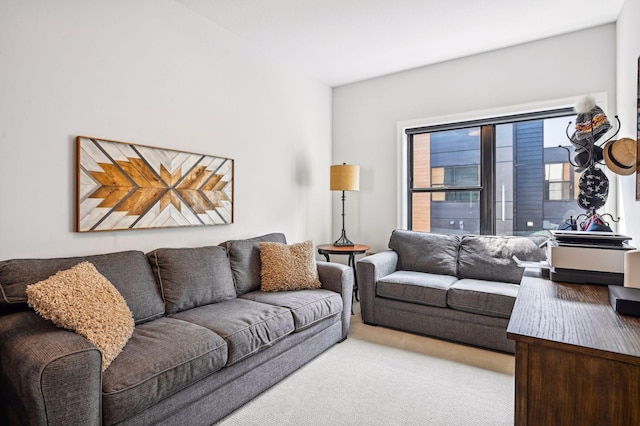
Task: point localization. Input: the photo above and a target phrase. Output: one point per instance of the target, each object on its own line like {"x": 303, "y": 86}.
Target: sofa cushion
{"x": 307, "y": 306}
{"x": 288, "y": 267}
{"x": 244, "y": 256}
{"x": 245, "y": 325}
{"x": 416, "y": 287}
{"x": 425, "y": 252}
{"x": 161, "y": 358}
{"x": 490, "y": 298}
{"x": 487, "y": 257}
{"x": 128, "y": 271}
{"x": 81, "y": 299}
{"x": 191, "y": 277}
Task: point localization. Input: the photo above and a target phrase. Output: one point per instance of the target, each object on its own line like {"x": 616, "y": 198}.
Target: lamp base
{"x": 343, "y": 241}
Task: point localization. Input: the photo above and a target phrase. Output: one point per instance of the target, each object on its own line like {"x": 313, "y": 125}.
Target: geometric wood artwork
{"x": 127, "y": 186}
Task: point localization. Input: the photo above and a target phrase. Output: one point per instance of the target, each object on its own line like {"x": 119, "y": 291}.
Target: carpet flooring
{"x": 385, "y": 377}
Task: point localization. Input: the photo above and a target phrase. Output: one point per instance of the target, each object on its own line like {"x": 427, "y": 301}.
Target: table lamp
{"x": 344, "y": 177}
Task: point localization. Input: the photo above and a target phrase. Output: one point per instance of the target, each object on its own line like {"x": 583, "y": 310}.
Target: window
{"x": 446, "y": 176}
{"x": 557, "y": 181}
{"x": 505, "y": 176}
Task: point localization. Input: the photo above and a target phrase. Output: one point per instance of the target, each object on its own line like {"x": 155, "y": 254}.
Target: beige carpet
{"x": 385, "y": 377}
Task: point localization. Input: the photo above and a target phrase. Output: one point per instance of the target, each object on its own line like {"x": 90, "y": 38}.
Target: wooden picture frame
{"x": 128, "y": 186}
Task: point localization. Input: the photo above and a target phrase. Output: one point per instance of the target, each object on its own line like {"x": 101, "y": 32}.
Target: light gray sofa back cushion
{"x": 244, "y": 256}
{"x": 191, "y": 277}
{"x": 425, "y": 252}
{"x": 487, "y": 257}
{"x": 128, "y": 271}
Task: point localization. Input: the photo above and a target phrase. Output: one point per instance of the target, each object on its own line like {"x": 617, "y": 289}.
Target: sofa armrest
{"x": 370, "y": 269}
{"x": 48, "y": 375}
{"x": 339, "y": 278}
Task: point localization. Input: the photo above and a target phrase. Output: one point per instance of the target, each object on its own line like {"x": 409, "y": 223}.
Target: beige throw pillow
{"x": 288, "y": 267}
{"x": 81, "y": 299}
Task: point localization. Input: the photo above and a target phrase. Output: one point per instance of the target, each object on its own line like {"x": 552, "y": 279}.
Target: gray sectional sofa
{"x": 458, "y": 288}
{"x": 206, "y": 339}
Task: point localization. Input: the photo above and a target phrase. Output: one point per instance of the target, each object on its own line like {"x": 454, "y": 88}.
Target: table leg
{"x": 352, "y": 263}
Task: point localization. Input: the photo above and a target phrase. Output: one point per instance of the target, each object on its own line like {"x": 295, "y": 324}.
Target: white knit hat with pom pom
{"x": 591, "y": 122}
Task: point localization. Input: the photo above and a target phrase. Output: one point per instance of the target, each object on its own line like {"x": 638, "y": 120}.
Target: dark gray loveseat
{"x": 206, "y": 339}
{"x": 459, "y": 288}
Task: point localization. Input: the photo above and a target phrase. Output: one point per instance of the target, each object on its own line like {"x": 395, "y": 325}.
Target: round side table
{"x": 328, "y": 249}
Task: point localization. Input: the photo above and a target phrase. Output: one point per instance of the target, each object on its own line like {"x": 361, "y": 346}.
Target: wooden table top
{"x": 573, "y": 314}
{"x": 333, "y": 249}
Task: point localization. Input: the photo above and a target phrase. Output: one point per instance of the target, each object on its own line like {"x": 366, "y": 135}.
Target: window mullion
{"x": 487, "y": 179}
{"x": 410, "y": 183}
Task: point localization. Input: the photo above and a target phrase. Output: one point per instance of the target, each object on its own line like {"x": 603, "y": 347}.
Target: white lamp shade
{"x": 345, "y": 177}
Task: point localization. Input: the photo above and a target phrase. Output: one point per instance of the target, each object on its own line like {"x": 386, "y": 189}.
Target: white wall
{"x": 628, "y": 51}
{"x": 151, "y": 72}
{"x": 366, "y": 114}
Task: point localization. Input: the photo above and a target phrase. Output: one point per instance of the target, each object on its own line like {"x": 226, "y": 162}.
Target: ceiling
{"x": 344, "y": 41}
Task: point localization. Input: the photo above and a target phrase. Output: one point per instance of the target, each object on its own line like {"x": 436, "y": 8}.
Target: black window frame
{"x": 486, "y": 188}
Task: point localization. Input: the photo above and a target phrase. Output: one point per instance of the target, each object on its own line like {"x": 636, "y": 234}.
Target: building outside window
{"x": 506, "y": 177}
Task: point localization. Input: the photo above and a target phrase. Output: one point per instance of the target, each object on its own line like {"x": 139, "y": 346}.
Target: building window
{"x": 452, "y": 176}
{"x": 558, "y": 182}
{"x": 505, "y": 176}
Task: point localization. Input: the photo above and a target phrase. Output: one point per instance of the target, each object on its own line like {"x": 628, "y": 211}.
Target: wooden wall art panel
{"x": 126, "y": 186}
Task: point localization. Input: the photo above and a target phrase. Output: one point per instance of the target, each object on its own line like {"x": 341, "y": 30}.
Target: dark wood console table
{"x": 577, "y": 360}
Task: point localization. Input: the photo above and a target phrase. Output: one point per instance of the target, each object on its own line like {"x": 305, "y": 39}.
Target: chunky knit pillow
{"x": 288, "y": 267}
{"x": 81, "y": 299}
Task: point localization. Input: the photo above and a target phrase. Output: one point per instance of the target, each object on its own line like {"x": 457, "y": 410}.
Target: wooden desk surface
{"x": 577, "y": 360}
{"x": 573, "y": 314}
